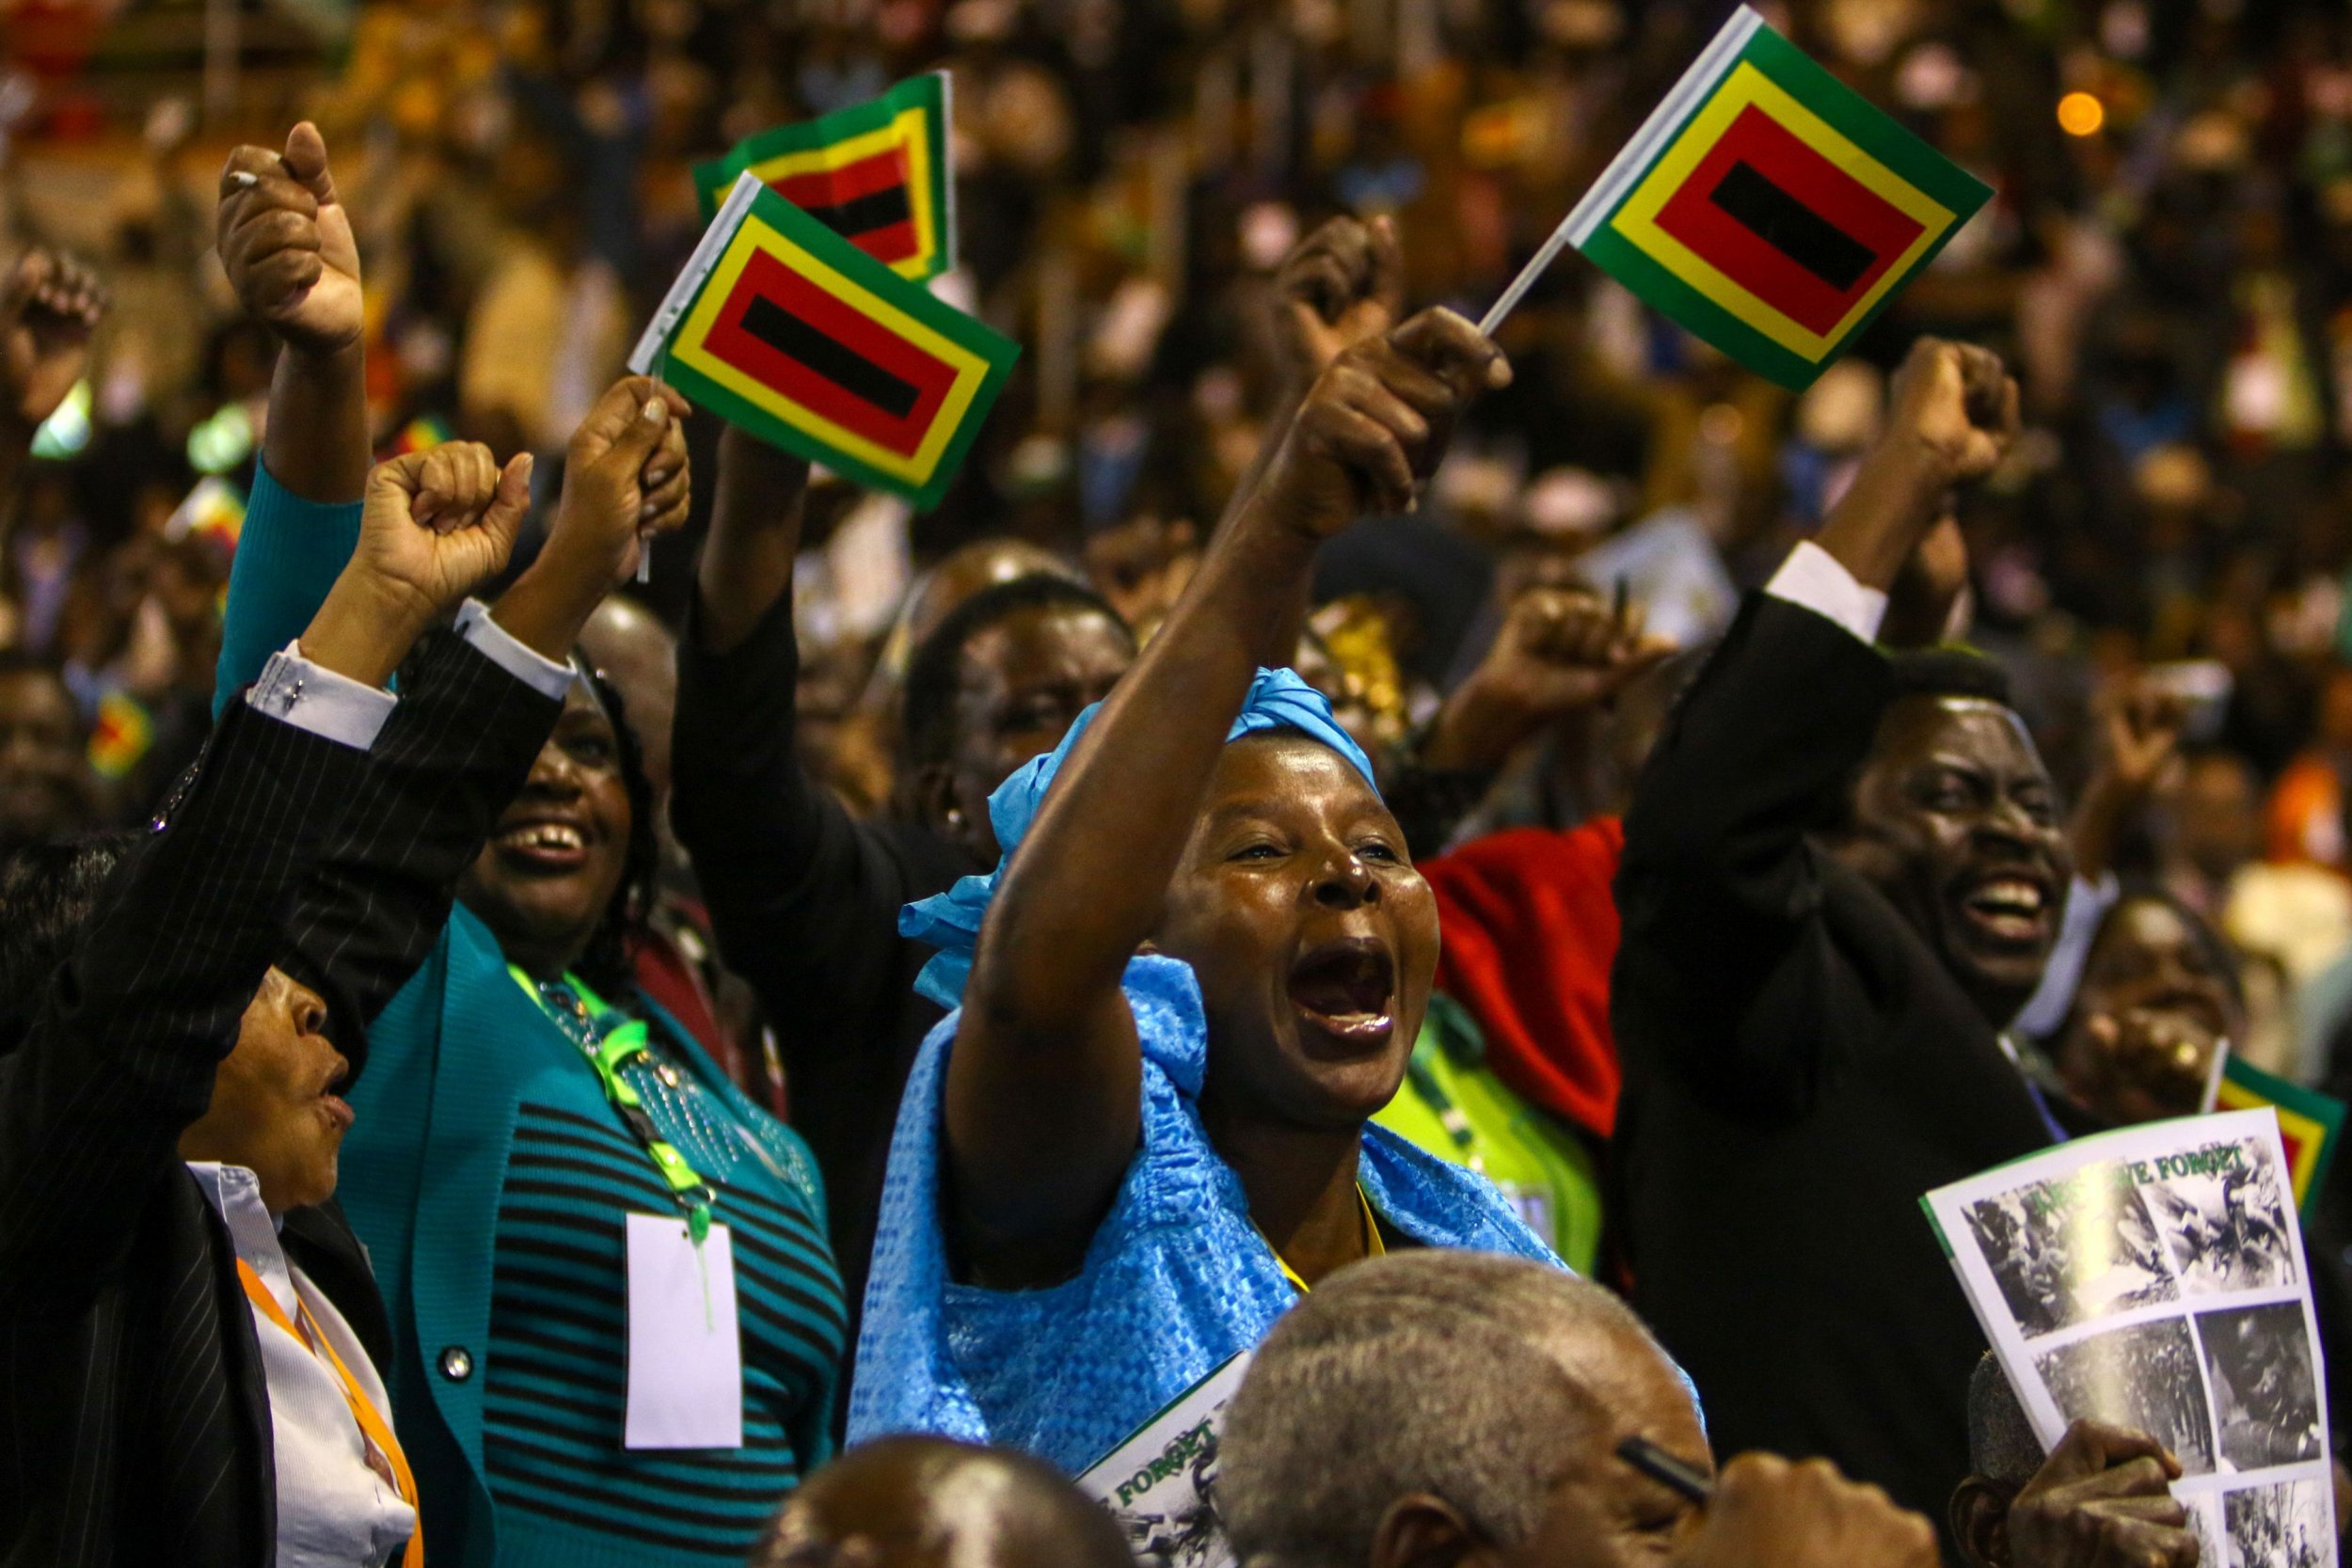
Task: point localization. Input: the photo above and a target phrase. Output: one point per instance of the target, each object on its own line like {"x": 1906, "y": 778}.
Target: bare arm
{"x": 1043, "y": 1098}
{"x": 1955, "y": 414}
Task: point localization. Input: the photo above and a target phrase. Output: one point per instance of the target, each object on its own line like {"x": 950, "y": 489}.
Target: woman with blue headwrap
{"x": 1197, "y": 975}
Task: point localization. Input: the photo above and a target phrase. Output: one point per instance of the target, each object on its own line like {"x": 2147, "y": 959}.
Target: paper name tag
{"x": 685, "y": 1351}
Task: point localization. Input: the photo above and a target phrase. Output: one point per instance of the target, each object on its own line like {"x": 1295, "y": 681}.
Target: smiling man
{"x": 1842, "y": 878}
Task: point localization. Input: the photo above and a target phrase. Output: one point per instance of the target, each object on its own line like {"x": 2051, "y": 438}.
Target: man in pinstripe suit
{"x": 167, "y": 1074}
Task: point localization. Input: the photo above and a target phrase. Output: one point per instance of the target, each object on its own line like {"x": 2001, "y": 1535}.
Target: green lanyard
{"x": 610, "y": 1042}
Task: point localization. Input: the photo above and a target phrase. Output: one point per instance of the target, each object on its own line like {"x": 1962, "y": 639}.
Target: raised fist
{"x": 286, "y": 242}
{"x": 49, "y": 307}
{"x": 1343, "y": 283}
{"x": 436, "y": 525}
{"x": 1954, "y": 408}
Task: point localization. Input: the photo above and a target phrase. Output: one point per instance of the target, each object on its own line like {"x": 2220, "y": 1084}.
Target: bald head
{"x": 639, "y": 655}
{"x": 1489, "y": 1393}
{"x": 925, "y": 1503}
{"x": 962, "y": 573}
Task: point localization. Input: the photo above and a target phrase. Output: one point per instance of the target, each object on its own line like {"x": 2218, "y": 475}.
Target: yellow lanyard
{"x": 1373, "y": 1245}
{"x": 373, "y": 1427}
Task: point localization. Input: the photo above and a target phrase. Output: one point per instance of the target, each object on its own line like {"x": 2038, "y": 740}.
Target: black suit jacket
{"x": 1800, "y": 1067}
{"x": 134, "y": 1423}
{"x": 804, "y": 900}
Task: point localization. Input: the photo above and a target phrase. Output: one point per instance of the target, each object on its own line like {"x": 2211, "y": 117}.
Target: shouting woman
{"x": 1195, "y": 976}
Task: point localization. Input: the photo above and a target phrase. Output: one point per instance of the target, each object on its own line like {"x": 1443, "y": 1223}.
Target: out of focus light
{"x": 2081, "y": 114}
{"x": 66, "y": 431}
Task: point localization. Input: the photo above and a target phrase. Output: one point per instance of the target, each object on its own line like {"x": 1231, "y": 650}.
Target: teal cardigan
{"x": 425, "y": 1161}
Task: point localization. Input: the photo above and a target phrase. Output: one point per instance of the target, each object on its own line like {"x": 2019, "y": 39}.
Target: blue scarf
{"x": 951, "y": 921}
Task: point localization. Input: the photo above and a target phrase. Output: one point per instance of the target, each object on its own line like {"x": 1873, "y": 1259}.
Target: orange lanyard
{"x": 372, "y": 1425}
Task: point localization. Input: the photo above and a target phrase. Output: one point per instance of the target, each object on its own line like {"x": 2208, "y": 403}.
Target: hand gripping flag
{"x": 875, "y": 173}
{"x": 782, "y": 326}
{"x": 1766, "y": 207}
{"x": 2308, "y": 1122}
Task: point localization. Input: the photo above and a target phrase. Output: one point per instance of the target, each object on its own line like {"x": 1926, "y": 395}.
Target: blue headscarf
{"x": 951, "y": 921}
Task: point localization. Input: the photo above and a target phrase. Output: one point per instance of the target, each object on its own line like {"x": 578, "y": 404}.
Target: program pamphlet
{"x": 1160, "y": 1484}
{"x": 2153, "y": 1278}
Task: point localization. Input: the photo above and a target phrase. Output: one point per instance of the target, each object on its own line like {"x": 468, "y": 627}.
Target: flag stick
{"x": 1528, "y": 274}
{"x": 644, "y": 540}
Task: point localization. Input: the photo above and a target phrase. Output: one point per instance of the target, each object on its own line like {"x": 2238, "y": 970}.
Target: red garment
{"x": 1530, "y": 925}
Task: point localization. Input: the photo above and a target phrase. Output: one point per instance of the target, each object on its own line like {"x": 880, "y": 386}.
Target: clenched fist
{"x": 49, "y": 307}
{"x": 285, "y": 240}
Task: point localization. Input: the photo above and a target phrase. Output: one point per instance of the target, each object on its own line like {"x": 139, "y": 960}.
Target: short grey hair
{"x": 1426, "y": 1371}
{"x": 2001, "y": 1445}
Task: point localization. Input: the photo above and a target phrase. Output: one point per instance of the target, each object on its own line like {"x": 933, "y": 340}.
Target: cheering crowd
{"x": 1488, "y": 874}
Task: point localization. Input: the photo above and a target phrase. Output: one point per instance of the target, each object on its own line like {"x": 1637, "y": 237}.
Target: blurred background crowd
{"x": 2168, "y": 265}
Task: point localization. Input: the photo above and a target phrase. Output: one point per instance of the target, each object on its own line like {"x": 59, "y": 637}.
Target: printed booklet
{"x": 1160, "y": 1484}
{"x": 2153, "y": 1278}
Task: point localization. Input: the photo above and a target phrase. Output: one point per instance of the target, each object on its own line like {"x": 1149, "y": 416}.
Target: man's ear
{"x": 1421, "y": 1531}
{"x": 1979, "y": 1519}
{"x": 928, "y": 794}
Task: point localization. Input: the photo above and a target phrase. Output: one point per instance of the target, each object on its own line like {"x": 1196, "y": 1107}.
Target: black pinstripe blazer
{"x": 133, "y": 1420}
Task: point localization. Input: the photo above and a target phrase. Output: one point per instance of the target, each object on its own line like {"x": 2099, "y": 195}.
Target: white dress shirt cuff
{"x": 1816, "y": 579}
{"x": 496, "y": 643}
{"x": 311, "y": 697}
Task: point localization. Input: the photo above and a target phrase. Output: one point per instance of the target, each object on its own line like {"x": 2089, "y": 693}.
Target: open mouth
{"x": 1347, "y": 990}
{"x": 338, "y": 1111}
{"x": 543, "y": 843}
{"x": 2010, "y": 909}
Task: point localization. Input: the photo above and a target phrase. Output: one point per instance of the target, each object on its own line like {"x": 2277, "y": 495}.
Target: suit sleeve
{"x": 121, "y": 1057}
{"x": 451, "y": 756}
{"x": 1728, "y": 972}
{"x": 450, "y": 760}
{"x": 804, "y": 899}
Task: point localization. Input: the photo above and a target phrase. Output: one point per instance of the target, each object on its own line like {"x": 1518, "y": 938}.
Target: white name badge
{"x": 685, "y": 1351}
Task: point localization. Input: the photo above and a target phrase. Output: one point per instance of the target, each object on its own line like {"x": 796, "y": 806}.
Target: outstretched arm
{"x": 285, "y": 241}
{"x": 1720, "y": 879}
{"x": 1042, "y": 1095}
{"x": 121, "y": 1056}
{"x": 470, "y": 720}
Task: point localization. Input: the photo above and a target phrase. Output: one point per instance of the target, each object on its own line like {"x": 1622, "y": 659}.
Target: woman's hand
{"x": 286, "y": 243}
{"x": 1374, "y": 426}
{"x": 436, "y": 526}
{"x": 625, "y": 480}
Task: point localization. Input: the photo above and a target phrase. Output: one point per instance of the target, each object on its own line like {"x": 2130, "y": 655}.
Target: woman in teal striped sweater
{"x": 523, "y": 1098}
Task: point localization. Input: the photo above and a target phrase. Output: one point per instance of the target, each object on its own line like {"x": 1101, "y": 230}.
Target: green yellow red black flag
{"x": 876, "y": 173}
{"x": 781, "y": 325}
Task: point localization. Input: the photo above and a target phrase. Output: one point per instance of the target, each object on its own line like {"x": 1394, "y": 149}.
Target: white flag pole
{"x": 1632, "y": 159}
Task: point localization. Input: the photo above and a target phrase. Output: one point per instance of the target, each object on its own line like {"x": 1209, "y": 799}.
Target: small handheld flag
{"x": 122, "y": 734}
{"x": 877, "y": 174}
{"x": 2308, "y": 1122}
{"x": 1766, "y": 206}
{"x": 213, "y": 511}
{"x": 782, "y": 326}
